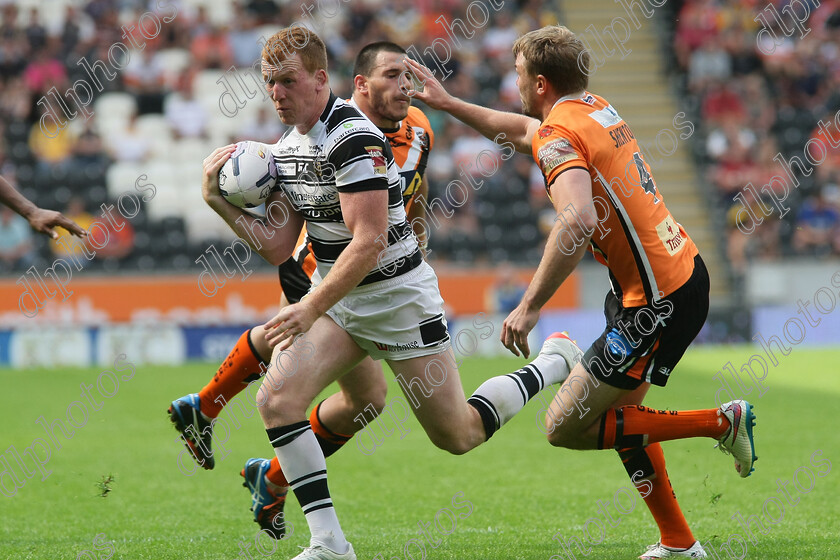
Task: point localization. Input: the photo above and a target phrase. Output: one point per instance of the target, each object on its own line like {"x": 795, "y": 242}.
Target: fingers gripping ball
{"x": 246, "y": 179}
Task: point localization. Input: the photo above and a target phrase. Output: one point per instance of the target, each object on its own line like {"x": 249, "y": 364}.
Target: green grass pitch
{"x": 521, "y": 491}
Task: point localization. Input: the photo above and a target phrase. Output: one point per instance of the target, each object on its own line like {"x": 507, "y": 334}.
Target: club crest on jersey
{"x": 554, "y": 153}
{"x": 377, "y": 157}
{"x": 545, "y": 131}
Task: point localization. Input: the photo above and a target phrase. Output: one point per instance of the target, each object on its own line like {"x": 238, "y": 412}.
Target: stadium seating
{"x": 176, "y": 222}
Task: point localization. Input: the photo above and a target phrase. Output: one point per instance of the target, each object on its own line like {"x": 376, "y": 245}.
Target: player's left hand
{"x": 210, "y": 178}
{"x": 43, "y": 221}
{"x": 431, "y": 92}
{"x": 516, "y": 327}
{"x": 291, "y": 321}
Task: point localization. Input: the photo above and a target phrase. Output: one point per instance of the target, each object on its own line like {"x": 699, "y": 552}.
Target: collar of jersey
{"x": 570, "y": 97}
{"x": 328, "y": 108}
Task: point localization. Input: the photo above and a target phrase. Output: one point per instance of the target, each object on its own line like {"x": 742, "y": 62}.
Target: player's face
{"x": 292, "y": 89}
{"x": 527, "y": 89}
{"x": 386, "y": 77}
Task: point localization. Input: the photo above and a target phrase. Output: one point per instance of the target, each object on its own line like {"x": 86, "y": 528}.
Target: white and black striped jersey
{"x": 344, "y": 152}
{"x": 411, "y": 142}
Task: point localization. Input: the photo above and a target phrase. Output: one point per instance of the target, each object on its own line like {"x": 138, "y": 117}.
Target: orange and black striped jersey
{"x": 411, "y": 144}
{"x": 648, "y": 254}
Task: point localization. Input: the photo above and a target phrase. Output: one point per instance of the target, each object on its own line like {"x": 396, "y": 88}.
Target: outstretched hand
{"x": 431, "y": 92}
{"x": 43, "y": 221}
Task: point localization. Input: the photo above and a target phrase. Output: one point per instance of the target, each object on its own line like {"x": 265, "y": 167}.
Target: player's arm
{"x": 366, "y": 215}
{"x": 416, "y": 211}
{"x": 274, "y": 244}
{"x": 41, "y": 220}
{"x": 517, "y": 128}
{"x": 574, "y": 187}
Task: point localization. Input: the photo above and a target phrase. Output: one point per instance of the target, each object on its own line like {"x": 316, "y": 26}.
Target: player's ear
{"x": 321, "y": 78}
{"x": 542, "y": 85}
{"x": 360, "y": 83}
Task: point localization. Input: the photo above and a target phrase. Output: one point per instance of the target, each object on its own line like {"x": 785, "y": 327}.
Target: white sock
{"x": 305, "y": 468}
{"x": 499, "y": 398}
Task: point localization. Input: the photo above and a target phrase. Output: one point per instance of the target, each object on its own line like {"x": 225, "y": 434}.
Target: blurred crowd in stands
{"x": 160, "y": 115}
{"x": 760, "y": 96}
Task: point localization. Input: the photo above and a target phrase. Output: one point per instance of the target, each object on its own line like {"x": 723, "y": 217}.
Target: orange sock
{"x": 329, "y": 441}
{"x": 637, "y": 426}
{"x": 241, "y": 366}
{"x": 275, "y": 473}
{"x": 655, "y": 487}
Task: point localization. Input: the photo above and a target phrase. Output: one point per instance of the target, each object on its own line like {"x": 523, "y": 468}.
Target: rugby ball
{"x": 247, "y": 177}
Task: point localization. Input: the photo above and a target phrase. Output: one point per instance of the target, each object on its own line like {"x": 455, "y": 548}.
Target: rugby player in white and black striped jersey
{"x": 338, "y": 175}
{"x": 344, "y": 153}
{"x": 378, "y": 82}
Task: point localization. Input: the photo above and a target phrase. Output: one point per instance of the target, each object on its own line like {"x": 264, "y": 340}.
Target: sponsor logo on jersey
{"x": 588, "y": 99}
{"x": 409, "y": 133}
{"x": 308, "y": 198}
{"x": 322, "y": 213}
{"x": 397, "y": 347}
{"x": 380, "y": 166}
{"x": 545, "y": 131}
{"x": 344, "y": 134}
{"x": 669, "y": 233}
{"x": 606, "y": 117}
{"x": 555, "y": 153}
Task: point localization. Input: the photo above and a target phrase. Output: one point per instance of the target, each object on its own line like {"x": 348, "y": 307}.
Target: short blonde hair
{"x": 296, "y": 39}
{"x": 556, "y": 53}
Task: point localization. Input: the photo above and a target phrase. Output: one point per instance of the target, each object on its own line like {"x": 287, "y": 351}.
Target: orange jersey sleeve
{"x": 649, "y": 255}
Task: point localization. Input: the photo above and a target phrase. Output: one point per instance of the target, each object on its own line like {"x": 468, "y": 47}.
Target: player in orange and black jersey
{"x": 379, "y": 76}
{"x": 411, "y": 143}
{"x": 607, "y": 201}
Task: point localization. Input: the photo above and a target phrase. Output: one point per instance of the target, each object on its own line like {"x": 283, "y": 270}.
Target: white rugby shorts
{"x": 396, "y": 319}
